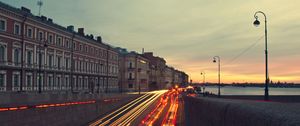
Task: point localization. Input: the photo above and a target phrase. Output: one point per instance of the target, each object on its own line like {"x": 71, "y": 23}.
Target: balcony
{"x": 130, "y": 68}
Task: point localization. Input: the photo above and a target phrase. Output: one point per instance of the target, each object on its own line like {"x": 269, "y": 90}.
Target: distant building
{"x": 134, "y": 71}
{"x": 183, "y": 78}
{"x": 169, "y": 77}
{"x": 35, "y": 51}
{"x": 157, "y": 75}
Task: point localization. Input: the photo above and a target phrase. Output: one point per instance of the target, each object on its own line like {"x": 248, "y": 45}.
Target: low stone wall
{"x": 225, "y": 112}
{"x": 75, "y": 115}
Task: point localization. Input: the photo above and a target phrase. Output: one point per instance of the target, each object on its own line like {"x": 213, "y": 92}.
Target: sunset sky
{"x": 188, "y": 33}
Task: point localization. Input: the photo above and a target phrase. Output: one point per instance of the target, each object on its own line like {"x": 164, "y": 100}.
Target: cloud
{"x": 189, "y": 33}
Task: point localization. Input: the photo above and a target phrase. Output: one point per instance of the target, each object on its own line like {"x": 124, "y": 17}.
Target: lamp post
{"x": 102, "y": 72}
{"x": 203, "y": 75}
{"x": 257, "y": 23}
{"x": 72, "y": 62}
{"x": 40, "y": 64}
{"x": 219, "y": 69}
{"x": 139, "y": 72}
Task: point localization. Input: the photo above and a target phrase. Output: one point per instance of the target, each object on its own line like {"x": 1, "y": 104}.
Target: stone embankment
{"x": 57, "y": 109}
{"x": 208, "y": 111}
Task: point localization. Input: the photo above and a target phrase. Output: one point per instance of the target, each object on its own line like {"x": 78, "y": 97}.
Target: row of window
{"x": 55, "y": 40}
{"x": 52, "y": 82}
{"x": 55, "y": 61}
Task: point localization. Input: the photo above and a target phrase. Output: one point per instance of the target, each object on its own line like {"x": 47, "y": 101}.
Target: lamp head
{"x": 214, "y": 60}
{"x": 256, "y": 23}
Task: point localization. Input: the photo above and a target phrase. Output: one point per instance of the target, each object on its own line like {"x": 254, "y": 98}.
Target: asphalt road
{"x": 128, "y": 114}
{"x": 153, "y": 108}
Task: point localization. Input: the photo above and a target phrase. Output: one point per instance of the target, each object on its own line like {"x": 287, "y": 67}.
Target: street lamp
{"x": 40, "y": 64}
{"x": 203, "y": 74}
{"x": 257, "y": 23}
{"x": 214, "y": 60}
{"x": 139, "y": 72}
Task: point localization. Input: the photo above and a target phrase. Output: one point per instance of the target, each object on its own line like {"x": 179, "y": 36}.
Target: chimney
{"x": 81, "y": 31}
{"x": 50, "y": 20}
{"x": 70, "y": 28}
{"x": 91, "y": 36}
{"x": 43, "y": 18}
{"x": 99, "y": 39}
{"x": 24, "y": 9}
{"x": 148, "y": 53}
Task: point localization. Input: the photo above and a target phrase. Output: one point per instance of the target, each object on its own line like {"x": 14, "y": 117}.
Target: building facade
{"x": 39, "y": 55}
{"x": 169, "y": 77}
{"x": 157, "y": 67}
{"x": 134, "y": 71}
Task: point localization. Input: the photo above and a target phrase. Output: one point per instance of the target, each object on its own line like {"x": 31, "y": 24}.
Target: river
{"x": 230, "y": 90}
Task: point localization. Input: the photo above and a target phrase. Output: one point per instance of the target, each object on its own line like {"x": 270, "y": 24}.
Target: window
{"x": 17, "y": 29}
{"x": 50, "y": 81}
{"x": 67, "y": 44}
{"x": 80, "y": 47}
{"x": 80, "y": 65}
{"x": 130, "y": 65}
{"x": 2, "y": 53}
{"x": 58, "y": 81}
{"x": 67, "y": 81}
{"x": 50, "y": 39}
{"x": 29, "y": 80}
{"x": 2, "y": 80}
{"x": 130, "y": 76}
{"x": 86, "y": 48}
{"x": 58, "y": 62}
{"x": 41, "y": 36}
{"x": 17, "y": 56}
{"x": 74, "y": 46}
{"x": 86, "y": 83}
{"x": 86, "y": 66}
{"x": 101, "y": 53}
{"x": 50, "y": 60}
{"x": 67, "y": 63}
{"x": 29, "y": 57}
{"x": 40, "y": 79}
{"x": 29, "y": 32}
{"x": 40, "y": 58}
{"x": 78, "y": 82}
{"x": 2, "y": 25}
{"x": 75, "y": 82}
{"x": 58, "y": 41}
{"x": 130, "y": 85}
{"x": 16, "y": 80}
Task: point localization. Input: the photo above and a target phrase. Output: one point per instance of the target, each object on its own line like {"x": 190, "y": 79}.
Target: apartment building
{"x": 157, "y": 67}
{"x": 38, "y": 55}
{"x": 134, "y": 71}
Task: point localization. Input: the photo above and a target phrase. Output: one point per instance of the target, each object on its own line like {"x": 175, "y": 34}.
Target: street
{"x": 153, "y": 108}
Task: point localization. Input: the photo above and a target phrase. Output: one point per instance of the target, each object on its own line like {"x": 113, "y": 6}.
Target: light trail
{"x": 44, "y": 106}
{"x": 130, "y": 116}
{"x": 129, "y": 112}
{"x": 118, "y": 111}
{"x": 170, "y": 118}
{"x": 153, "y": 116}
